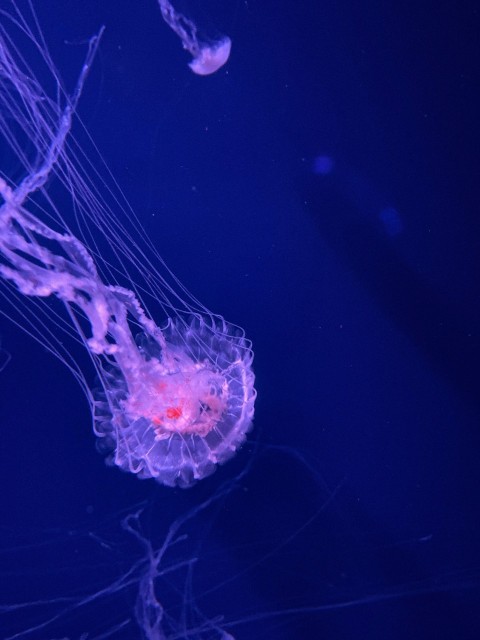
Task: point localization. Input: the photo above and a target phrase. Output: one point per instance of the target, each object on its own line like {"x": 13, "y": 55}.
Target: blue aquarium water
{"x": 308, "y": 194}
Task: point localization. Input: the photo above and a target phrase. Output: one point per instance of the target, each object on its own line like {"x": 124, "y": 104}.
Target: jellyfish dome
{"x": 210, "y": 58}
{"x": 182, "y": 407}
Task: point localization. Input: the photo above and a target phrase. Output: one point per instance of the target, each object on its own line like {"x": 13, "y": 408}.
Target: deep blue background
{"x": 356, "y": 277}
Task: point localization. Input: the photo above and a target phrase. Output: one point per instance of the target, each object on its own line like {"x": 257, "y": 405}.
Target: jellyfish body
{"x": 207, "y": 58}
{"x": 210, "y": 58}
{"x": 175, "y": 398}
{"x": 182, "y": 407}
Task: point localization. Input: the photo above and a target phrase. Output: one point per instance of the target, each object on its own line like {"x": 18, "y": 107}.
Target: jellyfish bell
{"x": 210, "y": 58}
{"x": 183, "y": 407}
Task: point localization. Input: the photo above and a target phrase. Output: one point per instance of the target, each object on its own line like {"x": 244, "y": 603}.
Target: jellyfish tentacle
{"x": 182, "y": 26}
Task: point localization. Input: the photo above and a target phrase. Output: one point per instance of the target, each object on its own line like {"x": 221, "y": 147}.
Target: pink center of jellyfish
{"x": 187, "y": 402}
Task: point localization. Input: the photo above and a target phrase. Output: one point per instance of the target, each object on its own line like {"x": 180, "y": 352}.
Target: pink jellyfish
{"x": 206, "y": 58}
{"x": 175, "y": 398}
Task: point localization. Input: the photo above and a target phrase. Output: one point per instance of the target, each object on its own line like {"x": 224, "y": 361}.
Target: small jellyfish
{"x": 207, "y": 58}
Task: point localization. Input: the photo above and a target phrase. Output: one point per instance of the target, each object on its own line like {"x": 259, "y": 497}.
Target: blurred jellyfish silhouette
{"x": 360, "y": 192}
{"x": 207, "y": 58}
{"x": 176, "y": 398}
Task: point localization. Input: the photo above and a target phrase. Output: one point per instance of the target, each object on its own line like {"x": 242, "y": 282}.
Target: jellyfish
{"x": 207, "y": 58}
{"x": 175, "y": 392}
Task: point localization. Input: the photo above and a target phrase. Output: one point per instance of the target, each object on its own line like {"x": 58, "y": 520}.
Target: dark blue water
{"x": 321, "y": 190}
